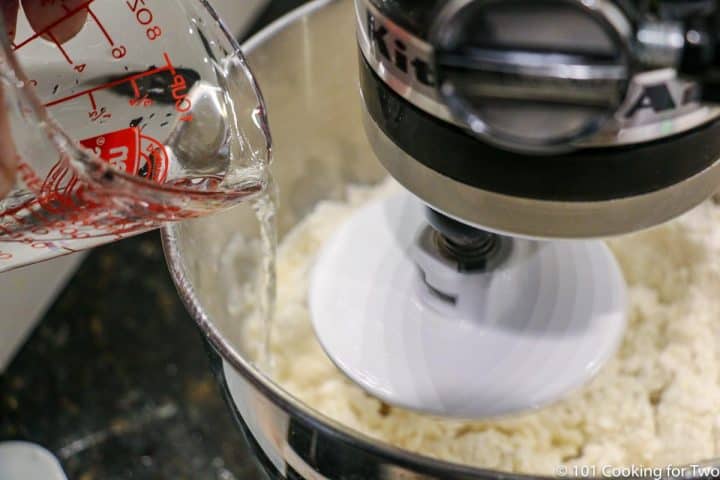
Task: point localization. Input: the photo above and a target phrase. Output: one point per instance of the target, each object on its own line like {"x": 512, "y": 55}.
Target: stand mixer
{"x": 527, "y": 129}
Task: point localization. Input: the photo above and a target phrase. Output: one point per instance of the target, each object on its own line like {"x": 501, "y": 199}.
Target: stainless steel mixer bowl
{"x": 306, "y": 64}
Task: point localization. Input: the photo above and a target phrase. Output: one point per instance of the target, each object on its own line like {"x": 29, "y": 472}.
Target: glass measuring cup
{"x": 148, "y": 115}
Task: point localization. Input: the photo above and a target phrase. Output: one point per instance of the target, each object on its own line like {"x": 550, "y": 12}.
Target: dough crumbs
{"x": 656, "y": 403}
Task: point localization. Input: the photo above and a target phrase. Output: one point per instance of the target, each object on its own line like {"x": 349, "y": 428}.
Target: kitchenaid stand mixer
{"x": 531, "y": 119}
{"x": 630, "y": 142}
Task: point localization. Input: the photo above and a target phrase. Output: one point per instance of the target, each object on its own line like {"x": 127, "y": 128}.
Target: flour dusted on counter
{"x": 656, "y": 403}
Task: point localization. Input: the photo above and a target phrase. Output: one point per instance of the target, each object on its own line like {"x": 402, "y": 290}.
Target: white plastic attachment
{"x": 535, "y": 328}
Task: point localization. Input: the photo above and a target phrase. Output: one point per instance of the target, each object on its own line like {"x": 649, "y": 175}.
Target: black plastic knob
{"x": 471, "y": 248}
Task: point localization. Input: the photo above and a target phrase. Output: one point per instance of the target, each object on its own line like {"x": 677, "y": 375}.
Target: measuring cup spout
{"x": 225, "y": 135}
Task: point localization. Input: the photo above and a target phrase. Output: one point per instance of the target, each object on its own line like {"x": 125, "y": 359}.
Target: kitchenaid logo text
{"x": 393, "y": 50}
{"x": 661, "y": 97}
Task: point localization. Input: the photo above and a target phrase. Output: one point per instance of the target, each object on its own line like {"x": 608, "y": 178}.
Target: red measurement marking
{"x": 169, "y": 63}
{"x": 92, "y": 101}
{"x": 71, "y": 185}
{"x": 101, "y": 26}
{"x": 120, "y": 149}
{"x": 62, "y": 50}
{"x": 29, "y": 177}
{"x": 63, "y": 196}
{"x": 70, "y": 13}
{"x": 144, "y": 101}
{"x": 115, "y": 83}
{"x": 156, "y": 159}
{"x": 54, "y": 197}
{"x": 136, "y": 90}
{"x": 183, "y": 104}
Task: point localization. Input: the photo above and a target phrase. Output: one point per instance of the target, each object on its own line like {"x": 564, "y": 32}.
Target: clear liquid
{"x": 265, "y": 207}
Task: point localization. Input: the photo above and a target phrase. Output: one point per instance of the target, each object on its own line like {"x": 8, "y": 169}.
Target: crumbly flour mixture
{"x": 657, "y": 403}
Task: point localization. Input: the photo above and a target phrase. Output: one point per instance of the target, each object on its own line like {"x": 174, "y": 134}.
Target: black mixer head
{"x": 559, "y": 118}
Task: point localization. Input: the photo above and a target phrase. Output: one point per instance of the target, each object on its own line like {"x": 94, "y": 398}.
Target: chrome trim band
{"x": 423, "y": 95}
{"x": 533, "y": 218}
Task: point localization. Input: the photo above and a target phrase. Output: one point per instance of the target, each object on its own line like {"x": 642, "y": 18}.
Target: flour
{"x": 656, "y": 403}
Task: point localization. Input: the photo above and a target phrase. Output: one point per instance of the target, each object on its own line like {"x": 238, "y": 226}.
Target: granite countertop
{"x": 116, "y": 381}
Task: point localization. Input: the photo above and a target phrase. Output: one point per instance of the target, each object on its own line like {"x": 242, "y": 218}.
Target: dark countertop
{"x": 115, "y": 380}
